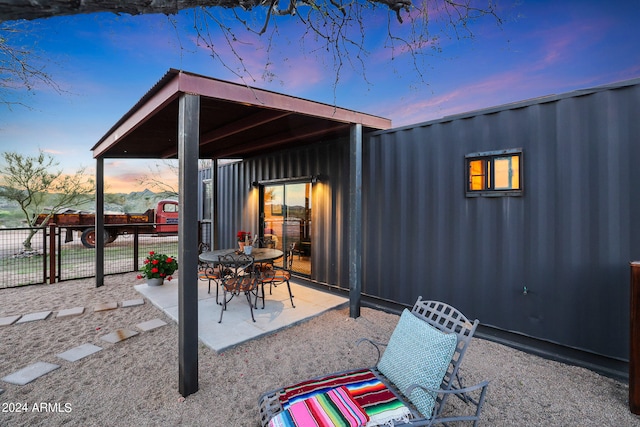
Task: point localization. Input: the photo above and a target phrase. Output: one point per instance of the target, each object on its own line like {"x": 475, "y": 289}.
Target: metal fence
{"x": 51, "y": 259}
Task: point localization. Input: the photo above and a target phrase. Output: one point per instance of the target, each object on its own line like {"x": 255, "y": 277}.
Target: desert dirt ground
{"x": 135, "y": 382}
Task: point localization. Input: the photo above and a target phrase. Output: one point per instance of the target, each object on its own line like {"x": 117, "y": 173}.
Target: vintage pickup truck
{"x": 161, "y": 221}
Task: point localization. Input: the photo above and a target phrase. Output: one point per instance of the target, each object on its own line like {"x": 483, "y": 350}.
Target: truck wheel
{"x": 110, "y": 236}
{"x": 88, "y": 238}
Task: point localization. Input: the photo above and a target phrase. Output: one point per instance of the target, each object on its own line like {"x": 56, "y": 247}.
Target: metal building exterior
{"x": 547, "y": 267}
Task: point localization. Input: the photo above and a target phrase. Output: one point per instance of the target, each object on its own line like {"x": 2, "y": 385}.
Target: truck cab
{"x": 167, "y": 216}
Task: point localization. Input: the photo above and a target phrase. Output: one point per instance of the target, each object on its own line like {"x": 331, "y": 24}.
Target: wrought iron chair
{"x": 210, "y": 273}
{"x": 293, "y": 249}
{"x": 239, "y": 277}
{"x": 274, "y": 276}
{"x": 414, "y": 377}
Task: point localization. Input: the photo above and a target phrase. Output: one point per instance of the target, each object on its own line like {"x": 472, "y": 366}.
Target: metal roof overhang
{"x": 235, "y": 121}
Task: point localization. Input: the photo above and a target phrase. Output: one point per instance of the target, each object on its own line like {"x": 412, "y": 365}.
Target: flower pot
{"x": 248, "y": 249}
{"x": 241, "y": 244}
{"x": 155, "y": 281}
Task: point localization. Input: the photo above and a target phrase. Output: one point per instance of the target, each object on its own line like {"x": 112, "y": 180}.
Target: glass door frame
{"x": 287, "y": 260}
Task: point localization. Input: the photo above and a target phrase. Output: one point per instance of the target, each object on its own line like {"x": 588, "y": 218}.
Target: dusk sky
{"x": 105, "y": 63}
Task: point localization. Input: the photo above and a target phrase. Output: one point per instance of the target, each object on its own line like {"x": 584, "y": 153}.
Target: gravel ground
{"x": 135, "y": 382}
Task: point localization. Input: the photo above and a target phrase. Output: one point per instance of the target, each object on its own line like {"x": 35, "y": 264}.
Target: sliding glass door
{"x": 286, "y": 213}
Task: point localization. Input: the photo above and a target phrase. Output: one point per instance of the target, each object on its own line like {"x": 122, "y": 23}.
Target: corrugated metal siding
{"x": 239, "y": 201}
{"x": 569, "y": 239}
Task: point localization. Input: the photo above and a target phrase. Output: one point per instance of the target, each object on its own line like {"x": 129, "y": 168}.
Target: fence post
{"x": 136, "y": 249}
{"x": 52, "y": 253}
{"x": 44, "y": 254}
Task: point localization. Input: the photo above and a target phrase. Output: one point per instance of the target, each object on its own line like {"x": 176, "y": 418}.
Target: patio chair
{"x": 239, "y": 277}
{"x": 210, "y": 273}
{"x": 293, "y": 249}
{"x": 411, "y": 381}
{"x": 274, "y": 276}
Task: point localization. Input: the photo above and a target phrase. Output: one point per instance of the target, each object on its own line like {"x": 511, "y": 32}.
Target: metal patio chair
{"x": 414, "y": 377}
{"x": 274, "y": 276}
{"x": 239, "y": 277}
{"x": 210, "y": 273}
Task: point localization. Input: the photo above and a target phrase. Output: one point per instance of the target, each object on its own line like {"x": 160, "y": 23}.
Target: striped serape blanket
{"x": 378, "y": 402}
{"x": 335, "y": 408}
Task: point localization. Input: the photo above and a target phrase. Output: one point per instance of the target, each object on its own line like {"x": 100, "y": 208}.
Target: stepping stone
{"x": 79, "y": 352}
{"x": 106, "y": 306}
{"x": 119, "y": 335}
{"x": 132, "y": 302}
{"x": 150, "y": 325}
{"x": 75, "y": 311}
{"x": 41, "y": 315}
{"x": 30, "y": 373}
{"x": 10, "y": 320}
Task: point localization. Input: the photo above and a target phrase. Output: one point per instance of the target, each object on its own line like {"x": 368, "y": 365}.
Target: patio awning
{"x": 235, "y": 121}
{"x": 190, "y": 117}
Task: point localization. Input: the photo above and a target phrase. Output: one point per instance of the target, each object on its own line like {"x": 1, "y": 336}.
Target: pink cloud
{"x": 492, "y": 91}
{"x": 251, "y": 55}
{"x": 122, "y": 175}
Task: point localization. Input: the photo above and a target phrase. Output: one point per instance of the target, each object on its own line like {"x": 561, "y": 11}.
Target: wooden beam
{"x": 280, "y": 139}
{"x": 243, "y": 124}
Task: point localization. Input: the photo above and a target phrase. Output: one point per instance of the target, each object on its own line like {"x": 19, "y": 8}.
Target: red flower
{"x": 139, "y": 276}
{"x": 154, "y": 262}
{"x": 169, "y": 259}
{"x": 151, "y": 252}
{"x": 169, "y": 278}
{"x": 154, "y": 270}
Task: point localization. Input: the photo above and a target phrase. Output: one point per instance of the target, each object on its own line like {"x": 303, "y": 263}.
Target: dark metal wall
{"x": 239, "y": 204}
{"x": 568, "y": 239}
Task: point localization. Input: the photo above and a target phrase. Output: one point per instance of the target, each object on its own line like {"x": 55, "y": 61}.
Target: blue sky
{"x": 105, "y": 63}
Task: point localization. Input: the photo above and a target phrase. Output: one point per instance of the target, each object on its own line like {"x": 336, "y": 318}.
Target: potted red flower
{"x": 158, "y": 267}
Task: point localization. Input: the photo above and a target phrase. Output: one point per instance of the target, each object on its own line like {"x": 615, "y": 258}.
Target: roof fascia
{"x": 218, "y": 89}
{"x": 156, "y": 101}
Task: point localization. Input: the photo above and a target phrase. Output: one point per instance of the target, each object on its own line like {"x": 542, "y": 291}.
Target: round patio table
{"x": 259, "y": 254}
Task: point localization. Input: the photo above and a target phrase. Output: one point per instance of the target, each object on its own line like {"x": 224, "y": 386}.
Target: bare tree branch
{"x": 337, "y": 29}
{"x": 20, "y": 67}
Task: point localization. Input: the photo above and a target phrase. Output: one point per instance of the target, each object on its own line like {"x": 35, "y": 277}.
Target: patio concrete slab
{"x": 236, "y": 326}
{"x": 151, "y": 325}
{"x": 118, "y": 335}
{"x": 30, "y": 373}
{"x": 132, "y": 302}
{"x": 9, "y": 320}
{"x": 68, "y": 312}
{"x": 79, "y": 352}
{"x": 32, "y": 317}
{"x": 106, "y": 306}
